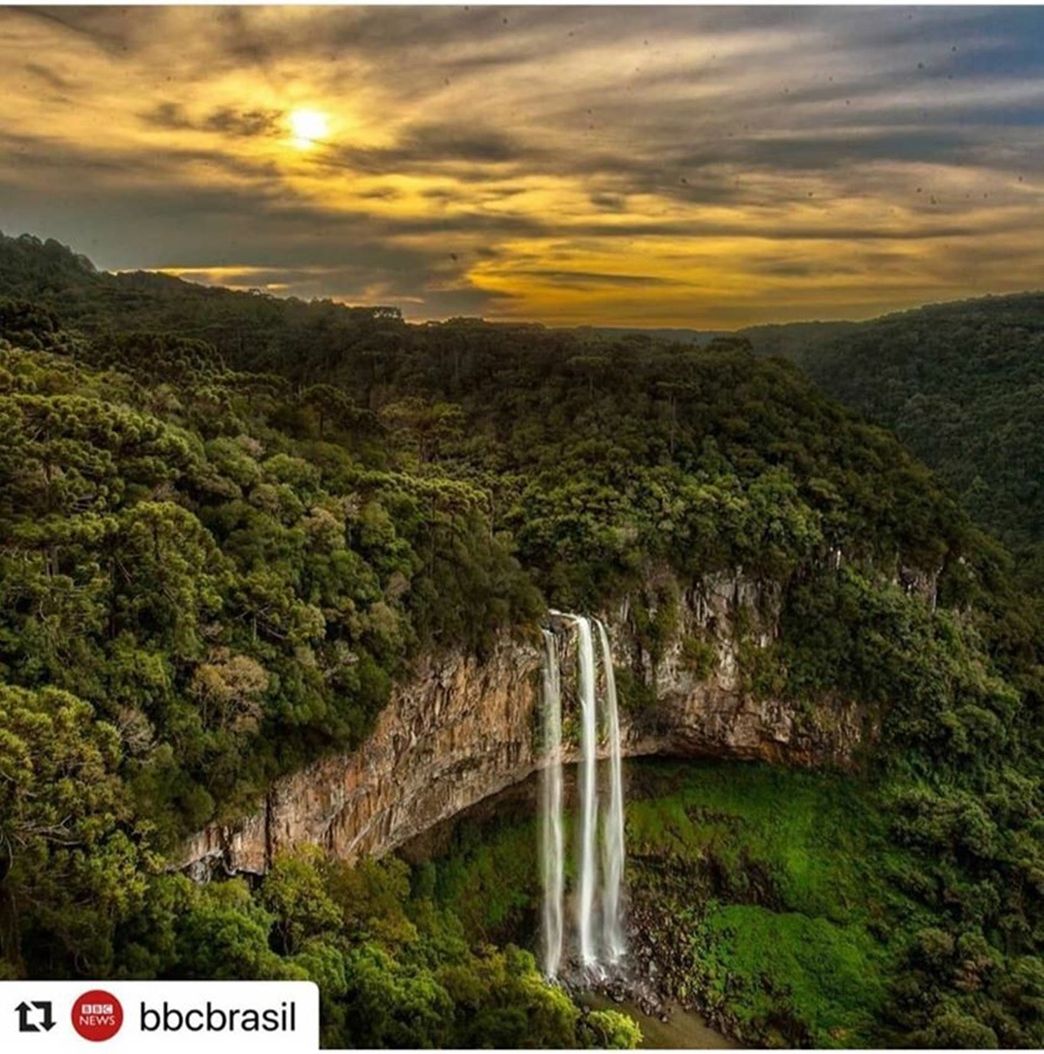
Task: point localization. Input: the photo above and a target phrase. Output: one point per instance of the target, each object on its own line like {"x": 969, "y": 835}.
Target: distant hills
{"x": 697, "y": 337}
{"x": 961, "y": 383}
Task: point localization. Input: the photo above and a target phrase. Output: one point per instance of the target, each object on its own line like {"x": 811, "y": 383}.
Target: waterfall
{"x": 613, "y": 938}
{"x": 552, "y": 855}
{"x": 588, "y": 877}
{"x": 600, "y": 937}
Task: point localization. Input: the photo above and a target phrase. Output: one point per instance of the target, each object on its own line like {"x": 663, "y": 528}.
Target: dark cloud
{"x": 426, "y": 146}
{"x": 785, "y": 161}
{"x": 107, "y": 28}
{"x": 49, "y": 77}
{"x": 223, "y": 119}
{"x": 582, "y": 279}
{"x": 608, "y": 202}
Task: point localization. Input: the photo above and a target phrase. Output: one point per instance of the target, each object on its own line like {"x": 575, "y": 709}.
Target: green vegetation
{"x": 822, "y": 975}
{"x": 962, "y": 385}
{"x": 792, "y": 936}
{"x": 228, "y": 523}
{"x": 393, "y": 968}
{"x": 781, "y": 906}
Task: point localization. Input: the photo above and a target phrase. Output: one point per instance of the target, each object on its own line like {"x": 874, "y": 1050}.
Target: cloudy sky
{"x": 706, "y": 167}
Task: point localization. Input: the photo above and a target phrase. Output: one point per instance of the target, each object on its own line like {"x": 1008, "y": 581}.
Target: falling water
{"x": 588, "y": 793}
{"x": 552, "y": 855}
{"x": 613, "y": 821}
{"x": 601, "y": 940}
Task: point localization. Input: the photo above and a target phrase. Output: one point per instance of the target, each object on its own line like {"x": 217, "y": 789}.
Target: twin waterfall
{"x": 599, "y": 940}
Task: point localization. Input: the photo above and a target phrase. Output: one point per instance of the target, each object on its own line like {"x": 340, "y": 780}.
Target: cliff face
{"x": 460, "y": 730}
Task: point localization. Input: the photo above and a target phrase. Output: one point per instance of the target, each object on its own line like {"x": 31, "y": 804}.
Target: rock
{"x": 461, "y": 729}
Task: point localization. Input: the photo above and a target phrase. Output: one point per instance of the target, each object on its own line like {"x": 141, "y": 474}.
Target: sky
{"x": 644, "y": 166}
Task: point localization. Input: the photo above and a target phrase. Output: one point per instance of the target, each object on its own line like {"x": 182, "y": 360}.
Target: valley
{"x": 276, "y": 577}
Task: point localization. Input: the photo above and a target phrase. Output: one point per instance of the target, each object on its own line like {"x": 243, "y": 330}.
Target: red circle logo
{"x": 97, "y": 1015}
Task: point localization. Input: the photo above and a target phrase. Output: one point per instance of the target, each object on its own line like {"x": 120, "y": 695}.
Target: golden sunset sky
{"x": 651, "y": 166}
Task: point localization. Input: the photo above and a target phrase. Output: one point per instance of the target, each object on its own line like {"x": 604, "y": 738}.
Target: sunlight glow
{"x": 307, "y": 127}
{"x": 780, "y": 176}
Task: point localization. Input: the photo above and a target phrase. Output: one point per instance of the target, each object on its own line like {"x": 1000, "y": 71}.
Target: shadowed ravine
{"x": 518, "y": 813}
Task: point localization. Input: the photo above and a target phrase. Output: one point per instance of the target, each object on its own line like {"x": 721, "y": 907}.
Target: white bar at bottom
{"x": 201, "y": 1016}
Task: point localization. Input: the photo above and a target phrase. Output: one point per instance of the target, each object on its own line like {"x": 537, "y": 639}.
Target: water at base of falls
{"x": 600, "y": 935}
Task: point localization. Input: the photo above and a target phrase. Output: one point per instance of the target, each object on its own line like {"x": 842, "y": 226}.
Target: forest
{"x": 230, "y": 522}
{"x": 962, "y": 385}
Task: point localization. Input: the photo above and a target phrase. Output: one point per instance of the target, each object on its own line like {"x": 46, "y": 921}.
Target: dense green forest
{"x": 962, "y": 385}
{"x": 229, "y": 522}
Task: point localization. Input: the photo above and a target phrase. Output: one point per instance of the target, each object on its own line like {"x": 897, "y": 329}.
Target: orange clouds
{"x": 654, "y": 166}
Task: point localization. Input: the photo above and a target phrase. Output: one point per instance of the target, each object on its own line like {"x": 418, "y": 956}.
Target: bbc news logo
{"x": 97, "y": 1015}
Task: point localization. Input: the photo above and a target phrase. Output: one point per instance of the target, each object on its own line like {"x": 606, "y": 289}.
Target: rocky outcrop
{"x": 461, "y": 729}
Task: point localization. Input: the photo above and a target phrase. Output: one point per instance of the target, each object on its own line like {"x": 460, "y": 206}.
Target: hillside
{"x": 962, "y": 385}
{"x": 229, "y": 523}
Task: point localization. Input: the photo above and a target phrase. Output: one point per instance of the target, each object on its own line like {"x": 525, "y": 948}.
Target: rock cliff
{"x": 460, "y": 729}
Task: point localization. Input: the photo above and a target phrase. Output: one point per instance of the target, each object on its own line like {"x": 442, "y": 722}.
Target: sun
{"x": 307, "y": 127}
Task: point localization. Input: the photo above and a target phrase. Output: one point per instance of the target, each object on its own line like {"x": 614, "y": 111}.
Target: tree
{"x": 428, "y": 427}
{"x": 333, "y": 405}
{"x": 70, "y": 863}
{"x": 224, "y": 935}
{"x": 229, "y": 688}
{"x": 295, "y": 894}
{"x": 611, "y": 1030}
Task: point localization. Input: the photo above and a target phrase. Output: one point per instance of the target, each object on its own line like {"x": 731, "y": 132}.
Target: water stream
{"x": 588, "y": 877}
{"x": 600, "y": 937}
{"x": 552, "y": 853}
{"x": 614, "y": 940}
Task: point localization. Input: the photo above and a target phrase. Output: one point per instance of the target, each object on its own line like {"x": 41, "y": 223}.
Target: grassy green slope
{"x": 764, "y": 891}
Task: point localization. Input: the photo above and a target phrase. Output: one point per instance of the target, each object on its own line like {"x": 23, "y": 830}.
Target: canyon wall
{"x": 460, "y": 729}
